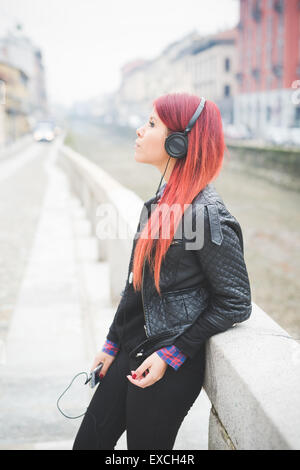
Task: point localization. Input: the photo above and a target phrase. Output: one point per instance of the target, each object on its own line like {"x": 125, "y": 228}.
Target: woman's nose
{"x": 138, "y": 131}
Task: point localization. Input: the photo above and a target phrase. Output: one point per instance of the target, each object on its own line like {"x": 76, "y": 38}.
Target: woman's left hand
{"x": 156, "y": 367}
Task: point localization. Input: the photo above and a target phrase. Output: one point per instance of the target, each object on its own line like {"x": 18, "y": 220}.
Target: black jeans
{"x": 151, "y": 416}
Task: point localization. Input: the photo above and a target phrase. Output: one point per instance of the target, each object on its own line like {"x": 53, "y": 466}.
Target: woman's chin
{"x": 138, "y": 158}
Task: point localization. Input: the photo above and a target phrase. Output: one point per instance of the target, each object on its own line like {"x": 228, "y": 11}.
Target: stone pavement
{"x": 22, "y": 189}
{"x": 60, "y": 319}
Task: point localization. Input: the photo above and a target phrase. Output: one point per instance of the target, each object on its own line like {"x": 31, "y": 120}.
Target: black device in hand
{"x": 94, "y": 377}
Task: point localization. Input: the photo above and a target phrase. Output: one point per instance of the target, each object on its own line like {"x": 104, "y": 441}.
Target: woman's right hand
{"x": 107, "y": 360}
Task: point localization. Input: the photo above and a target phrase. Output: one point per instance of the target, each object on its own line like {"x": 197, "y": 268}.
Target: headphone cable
{"x": 162, "y": 177}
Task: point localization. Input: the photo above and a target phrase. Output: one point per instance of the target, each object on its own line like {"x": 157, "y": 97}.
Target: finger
{"x": 141, "y": 369}
{"x": 96, "y": 363}
{"x": 134, "y": 376}
{"x": 135, "y": 382}
{"x": 147, "y": 381}
{"x": 143, "y": 382}
{"x": 103, "y": 369}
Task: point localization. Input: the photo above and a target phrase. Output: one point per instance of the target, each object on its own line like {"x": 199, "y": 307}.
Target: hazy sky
{"x": 86, "y": 42}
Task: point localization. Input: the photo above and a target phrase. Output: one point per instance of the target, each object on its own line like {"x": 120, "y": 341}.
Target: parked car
{"x": 238, "y": 131}
{"x": 44, "y": 131}
{"x": 283, "y": 136}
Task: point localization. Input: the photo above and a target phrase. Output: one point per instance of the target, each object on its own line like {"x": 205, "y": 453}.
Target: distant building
{"x": 202, "y": 65}
{"x": 250, "y": 71}
{"x": 22, "y": 75}
{"x": 144, "y": 80}
{"x": 212, "y": 64}
{"x": 268, "y": 64}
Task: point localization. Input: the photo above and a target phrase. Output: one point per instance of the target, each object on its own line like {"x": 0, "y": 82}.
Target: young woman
{"x": 180, "y": 289}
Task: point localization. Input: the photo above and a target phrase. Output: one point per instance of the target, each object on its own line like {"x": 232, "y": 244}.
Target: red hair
{"x": 202, "y": 164}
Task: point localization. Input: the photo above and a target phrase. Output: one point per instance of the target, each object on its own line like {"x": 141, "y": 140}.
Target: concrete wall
{"x": 105, "y": 200}
{"x": 253, "y": 381}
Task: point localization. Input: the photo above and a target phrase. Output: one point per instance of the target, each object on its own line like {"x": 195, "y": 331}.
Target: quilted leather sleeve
{"x": 222, "y": 261}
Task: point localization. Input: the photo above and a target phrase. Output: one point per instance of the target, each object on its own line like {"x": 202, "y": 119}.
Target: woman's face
{"x": 150, "y": 144}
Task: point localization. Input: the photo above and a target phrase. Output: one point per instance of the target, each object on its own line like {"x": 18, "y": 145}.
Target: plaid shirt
{"x": 170, "y": 354}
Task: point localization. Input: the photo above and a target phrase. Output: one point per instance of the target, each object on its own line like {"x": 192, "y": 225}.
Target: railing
{"x": 252, "y": 370}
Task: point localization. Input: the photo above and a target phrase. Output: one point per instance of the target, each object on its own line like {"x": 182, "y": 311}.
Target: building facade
{"x": 213, "y": 70}
{"x": 23, "y": 78}
{"x": 268, "y": 64}
{"x": 205, "y": 66}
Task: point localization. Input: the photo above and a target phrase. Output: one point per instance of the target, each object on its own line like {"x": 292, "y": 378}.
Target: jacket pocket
{"x": 195, "y": 301}
{"x": 174, "y": 309}
{"x": 183, "y": 306}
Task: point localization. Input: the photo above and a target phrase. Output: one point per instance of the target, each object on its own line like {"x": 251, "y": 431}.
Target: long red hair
{"x": 202, "y": 164}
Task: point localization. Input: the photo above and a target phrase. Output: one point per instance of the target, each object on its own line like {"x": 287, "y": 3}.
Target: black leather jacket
{"x": 203, "y": 291}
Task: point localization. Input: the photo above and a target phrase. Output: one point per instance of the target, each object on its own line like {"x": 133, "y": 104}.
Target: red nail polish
{"x": 133, "y": 376}
{"x": 101, "y": 376}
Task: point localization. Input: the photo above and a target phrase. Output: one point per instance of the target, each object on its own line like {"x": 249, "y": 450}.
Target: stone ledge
{"x": 253, "y": 381}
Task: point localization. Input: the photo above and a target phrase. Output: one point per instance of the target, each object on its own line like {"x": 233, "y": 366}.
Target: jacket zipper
{"x": 143, "y": 299}
{"x": 152, "y": 341}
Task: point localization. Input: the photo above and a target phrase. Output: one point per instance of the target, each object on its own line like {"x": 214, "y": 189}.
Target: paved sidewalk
{"x": 60, "y": 319}
{"x": 45, "y": 346}
{"x": 22, "y": 188}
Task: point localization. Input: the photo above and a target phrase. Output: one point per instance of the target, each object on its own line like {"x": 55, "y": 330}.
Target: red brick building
{"x": 268, "y": 50}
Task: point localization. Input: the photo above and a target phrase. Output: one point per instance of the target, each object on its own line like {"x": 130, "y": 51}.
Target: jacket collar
{"x": 208, "y": 195}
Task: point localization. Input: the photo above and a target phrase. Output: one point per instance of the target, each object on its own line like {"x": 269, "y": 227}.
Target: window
{"x": 227, "y": 90}
{"x": 227, "y": 64}
{"x": 278, "y": 6}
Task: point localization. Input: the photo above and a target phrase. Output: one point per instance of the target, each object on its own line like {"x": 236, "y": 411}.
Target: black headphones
{"x": 176, "y": 144}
